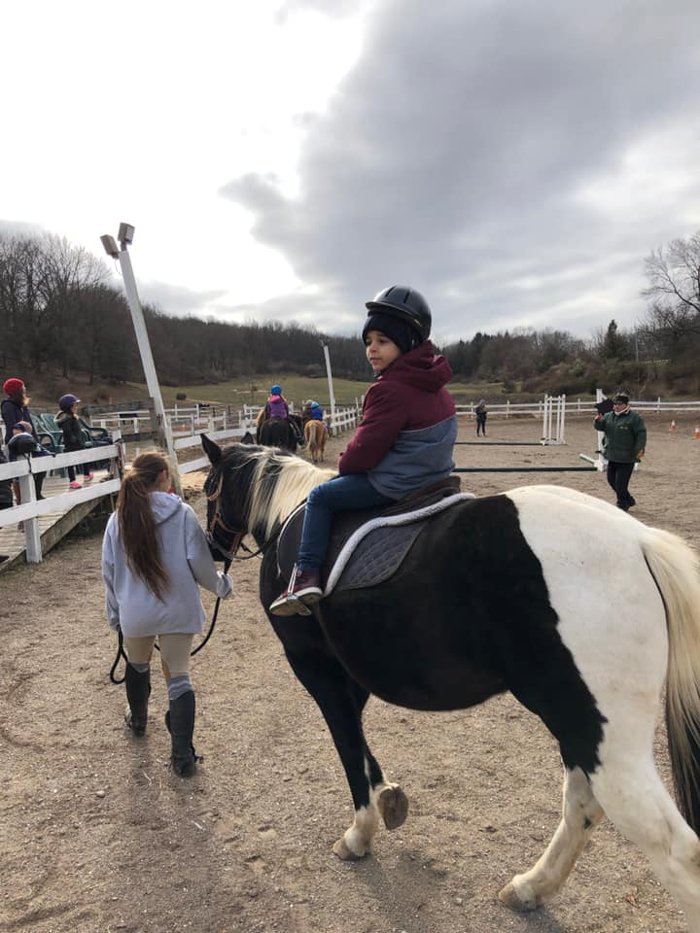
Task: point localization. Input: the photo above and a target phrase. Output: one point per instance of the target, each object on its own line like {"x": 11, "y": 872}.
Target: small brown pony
{"x": 315, "y": 437}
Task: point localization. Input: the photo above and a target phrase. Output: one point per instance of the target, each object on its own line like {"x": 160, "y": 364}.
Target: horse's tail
{"x": 310, "y": 432}
{"x": 676, "y": 569}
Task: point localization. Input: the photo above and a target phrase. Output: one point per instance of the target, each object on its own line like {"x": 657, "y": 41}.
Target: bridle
{"x": 229, "y": 549}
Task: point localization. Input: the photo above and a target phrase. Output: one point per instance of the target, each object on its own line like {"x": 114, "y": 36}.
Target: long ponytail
{"x": 137, "y": 524}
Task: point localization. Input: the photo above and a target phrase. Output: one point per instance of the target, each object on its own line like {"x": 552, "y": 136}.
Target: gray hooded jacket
{"x": 188, "y": 563}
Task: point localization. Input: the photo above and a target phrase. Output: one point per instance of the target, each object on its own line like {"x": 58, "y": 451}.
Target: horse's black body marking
{"x": 278, "y": 432}
{"x": 479, "y": 628}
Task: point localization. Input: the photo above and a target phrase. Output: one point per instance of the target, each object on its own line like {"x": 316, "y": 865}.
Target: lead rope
{"x": 120, "y": 638}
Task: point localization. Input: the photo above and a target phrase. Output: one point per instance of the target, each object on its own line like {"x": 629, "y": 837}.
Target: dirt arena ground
{"x": 97, "y": 836}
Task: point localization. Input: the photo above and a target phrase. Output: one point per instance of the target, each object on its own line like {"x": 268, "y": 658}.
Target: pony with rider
{"x": 276, "y": 425}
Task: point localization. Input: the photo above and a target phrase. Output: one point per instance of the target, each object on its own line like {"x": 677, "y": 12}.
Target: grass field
{"x": 299, "y": 388}
{"x": 246, "y": 390}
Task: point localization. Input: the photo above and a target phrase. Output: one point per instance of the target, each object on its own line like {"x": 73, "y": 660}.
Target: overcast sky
{"x": 516, "y": 162}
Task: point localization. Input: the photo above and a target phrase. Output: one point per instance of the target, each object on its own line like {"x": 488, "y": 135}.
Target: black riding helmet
{"x": 406, "y": 304}
{"x": 22, "y": 445}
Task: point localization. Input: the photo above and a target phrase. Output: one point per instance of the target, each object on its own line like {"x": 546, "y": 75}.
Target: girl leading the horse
{"x": 154, "y": 559}
{"x": 404, "y": 441}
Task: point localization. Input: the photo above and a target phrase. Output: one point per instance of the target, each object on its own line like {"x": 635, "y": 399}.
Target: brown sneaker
{"x": 304, "y": 590}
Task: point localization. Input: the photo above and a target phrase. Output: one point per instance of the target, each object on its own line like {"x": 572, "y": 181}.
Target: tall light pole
{"x": 330, "y": 383}
{"x": 126, "y": 236}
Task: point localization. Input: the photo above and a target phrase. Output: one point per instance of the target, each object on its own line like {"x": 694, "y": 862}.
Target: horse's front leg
{"x": 341, "y": 702}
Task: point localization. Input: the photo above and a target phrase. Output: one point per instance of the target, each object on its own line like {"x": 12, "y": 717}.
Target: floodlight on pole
{"x": 126, "y": 236}
{"x": 110, "y": 245}
{"x": 330, "y": 383}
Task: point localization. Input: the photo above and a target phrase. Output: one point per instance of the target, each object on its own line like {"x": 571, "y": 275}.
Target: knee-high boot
{"x": 138, "y": 689}
{"x": 180, "y": 722}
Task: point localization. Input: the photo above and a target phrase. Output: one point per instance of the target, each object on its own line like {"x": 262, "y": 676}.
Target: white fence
{"x": 31, "y": 508}
{"x": 574, "y": 406}
{"x": 183, "y": 421}
{"x": 346, "y": 418}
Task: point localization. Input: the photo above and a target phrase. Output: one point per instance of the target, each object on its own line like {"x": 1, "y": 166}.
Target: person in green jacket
{"x": 626, "y": 440}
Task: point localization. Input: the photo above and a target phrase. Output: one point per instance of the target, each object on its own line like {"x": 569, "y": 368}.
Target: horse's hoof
{"x": 511, "y": 898}
{"x": 393, "y": 806}
{"x": 345, "y": 853}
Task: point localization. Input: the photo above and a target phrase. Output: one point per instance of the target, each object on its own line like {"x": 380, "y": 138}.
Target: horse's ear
{"x": 212, "y": 450}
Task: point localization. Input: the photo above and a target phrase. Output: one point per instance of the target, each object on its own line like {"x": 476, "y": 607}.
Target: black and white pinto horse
{"x": 579, "y": 610}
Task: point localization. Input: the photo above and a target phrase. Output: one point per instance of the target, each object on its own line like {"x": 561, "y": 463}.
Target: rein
{"x": 120, "y": 637}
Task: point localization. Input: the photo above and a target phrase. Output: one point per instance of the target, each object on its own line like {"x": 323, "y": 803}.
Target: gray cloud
{"x": 456, "y": 154}
{"x": 20, "y": 228}
{"x": 177, "y": 300}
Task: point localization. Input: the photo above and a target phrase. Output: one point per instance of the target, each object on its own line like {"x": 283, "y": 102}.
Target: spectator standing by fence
{"x": 14, "y": 409}
{"x": 481, "y": 413}
{"x": 5, "y": 495}
{"x": 69, "y": 423}
{"x": 625, "y": 443}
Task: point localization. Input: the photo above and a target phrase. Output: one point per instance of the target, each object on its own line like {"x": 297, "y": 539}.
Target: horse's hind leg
{"x": 636, "y": 801}
{"x": 341, "y": 702}
{"x": 581, "y": 813}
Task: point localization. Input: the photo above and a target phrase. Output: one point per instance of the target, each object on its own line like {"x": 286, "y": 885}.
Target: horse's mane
{"x": 277, "y": 484}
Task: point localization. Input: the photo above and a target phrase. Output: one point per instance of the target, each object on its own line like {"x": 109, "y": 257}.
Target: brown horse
{"x": 315, "y": 436}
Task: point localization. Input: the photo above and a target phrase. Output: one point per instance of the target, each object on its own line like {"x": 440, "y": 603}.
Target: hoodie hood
{"x": 164, "y": 505}
{"x": 421, "y": 367}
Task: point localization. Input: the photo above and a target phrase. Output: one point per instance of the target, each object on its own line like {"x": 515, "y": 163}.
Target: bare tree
{"x": 68, "y": 270}
{"x": 673, "y": 273}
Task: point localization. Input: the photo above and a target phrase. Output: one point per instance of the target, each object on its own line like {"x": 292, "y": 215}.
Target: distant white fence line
{"x": 183, "y": 421}
{"x": 574, "y": 406}
{"x": 346, "y": 417}
{"x": 198, "y": 419}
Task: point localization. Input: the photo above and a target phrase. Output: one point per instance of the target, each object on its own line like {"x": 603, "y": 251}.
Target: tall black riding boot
{"x": 180, "y": 721}
{"x": 138, "y": 689}
{"x": 38, "y": 484}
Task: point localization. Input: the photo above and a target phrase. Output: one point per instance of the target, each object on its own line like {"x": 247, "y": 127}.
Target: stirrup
{"x": 286, "y": 605}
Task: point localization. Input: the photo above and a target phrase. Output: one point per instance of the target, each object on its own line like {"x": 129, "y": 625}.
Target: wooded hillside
{"x": 59, "y": 313}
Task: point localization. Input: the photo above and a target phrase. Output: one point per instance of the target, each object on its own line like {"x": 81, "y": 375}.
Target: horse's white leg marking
{"x": 636, "y": 801}
{"x": 357, "y": 840}
{"x": 386, "y": 800}
{"x": 581, "y": 813}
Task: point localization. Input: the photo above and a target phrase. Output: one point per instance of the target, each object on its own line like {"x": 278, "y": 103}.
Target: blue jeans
{"x": 340, "y": 494}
